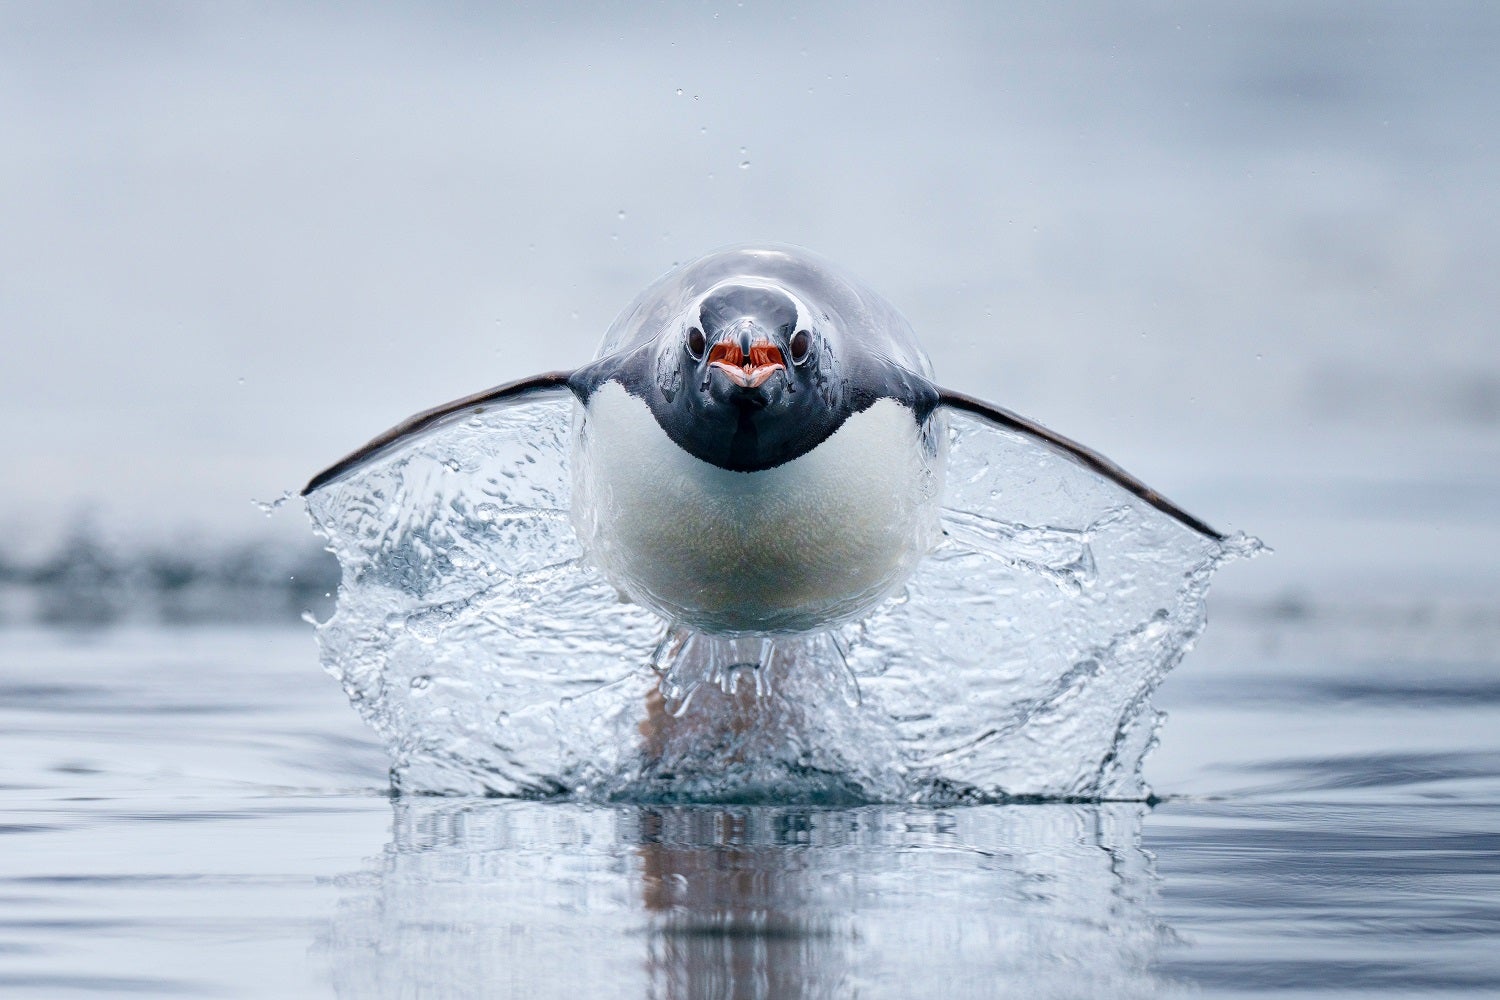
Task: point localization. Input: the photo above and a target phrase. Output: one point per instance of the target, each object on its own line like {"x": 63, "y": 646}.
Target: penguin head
{"x": 752, "y": 356}
{"x": 756, "y": 387}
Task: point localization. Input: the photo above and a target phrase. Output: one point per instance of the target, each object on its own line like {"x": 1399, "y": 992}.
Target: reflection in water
{"x": 492, "y": 898}
{"x": 728, "y": 895}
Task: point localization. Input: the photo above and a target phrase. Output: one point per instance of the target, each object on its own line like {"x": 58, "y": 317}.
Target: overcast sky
{"x": 1222, "y": 243}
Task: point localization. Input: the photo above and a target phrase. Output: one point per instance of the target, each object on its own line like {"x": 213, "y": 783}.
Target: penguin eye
{"x": 696, "y": 343}
{"x": 800, "y": 345}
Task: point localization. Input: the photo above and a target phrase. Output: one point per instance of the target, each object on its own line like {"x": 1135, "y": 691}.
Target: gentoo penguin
{"x": 758, "y": 447}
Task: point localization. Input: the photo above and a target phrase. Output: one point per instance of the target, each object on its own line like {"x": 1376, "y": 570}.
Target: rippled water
{"x": 197, "y": 812}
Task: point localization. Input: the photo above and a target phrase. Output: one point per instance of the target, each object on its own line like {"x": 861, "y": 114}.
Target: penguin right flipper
{"x": 427, "y": 420}
{"x": 1084, "y": 456}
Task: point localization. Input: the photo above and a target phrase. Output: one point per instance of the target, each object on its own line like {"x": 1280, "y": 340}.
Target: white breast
{"x": 818, "y": 540}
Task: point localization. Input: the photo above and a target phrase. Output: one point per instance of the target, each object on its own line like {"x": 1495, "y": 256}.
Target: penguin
{"x": 758, "y": 447}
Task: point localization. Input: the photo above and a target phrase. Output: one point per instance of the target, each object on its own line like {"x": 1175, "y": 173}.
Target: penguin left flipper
{"x": 1086, "y": 457}
{"x": 437, "y": 416}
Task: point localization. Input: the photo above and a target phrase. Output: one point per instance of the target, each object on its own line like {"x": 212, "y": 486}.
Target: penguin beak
{"x": 748, "y": 370}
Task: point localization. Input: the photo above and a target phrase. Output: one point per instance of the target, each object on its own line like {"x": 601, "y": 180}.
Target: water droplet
{"x": 621, "y": 215}
{"x": 240, "y": 380}
{"x": 269, "y": 507}
{"x": 744, "y": 164}
{"x": 420, "y": 684}
{"x": 679, "y": 91}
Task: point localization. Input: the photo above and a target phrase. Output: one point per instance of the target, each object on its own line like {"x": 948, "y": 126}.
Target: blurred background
{"x": 1246, "y": 250}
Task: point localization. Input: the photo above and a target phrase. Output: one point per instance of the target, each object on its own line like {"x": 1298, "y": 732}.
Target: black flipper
{"x": 428, "y": 419}
{"x": 1084, "y": 456}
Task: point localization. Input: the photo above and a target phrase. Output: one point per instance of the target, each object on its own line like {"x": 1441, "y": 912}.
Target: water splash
{"x": 1017, "y": 662}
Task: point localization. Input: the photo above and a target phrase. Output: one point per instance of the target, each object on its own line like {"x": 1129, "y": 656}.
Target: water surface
{"x": 197, "y": 812}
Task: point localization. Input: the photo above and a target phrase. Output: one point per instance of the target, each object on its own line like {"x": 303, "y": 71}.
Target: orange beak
{"x": 749, "y": 372}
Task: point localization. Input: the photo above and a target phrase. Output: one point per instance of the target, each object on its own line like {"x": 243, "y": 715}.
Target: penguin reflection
{"x": 482, "y": 898}
{"x": 731, "y": 893}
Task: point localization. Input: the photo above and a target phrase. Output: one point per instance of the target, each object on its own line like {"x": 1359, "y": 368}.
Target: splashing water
{"x": 1017, "y": 662}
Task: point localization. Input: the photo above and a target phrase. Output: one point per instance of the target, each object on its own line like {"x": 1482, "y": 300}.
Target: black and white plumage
{"x": 758, "y": 458}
